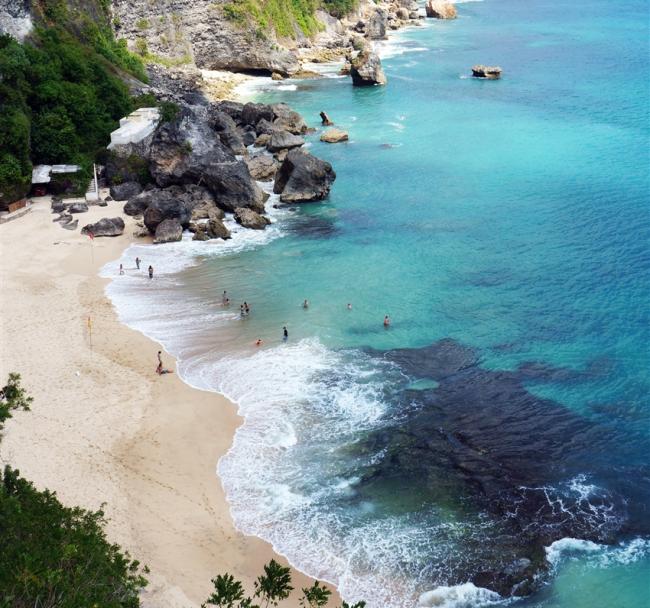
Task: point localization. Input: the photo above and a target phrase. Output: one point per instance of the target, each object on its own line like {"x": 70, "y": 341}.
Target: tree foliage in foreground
{"x": 53, "y": 556}
{"x": 271, "y": 588}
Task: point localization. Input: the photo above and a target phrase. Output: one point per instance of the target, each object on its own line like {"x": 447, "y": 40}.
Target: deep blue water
{"x": 505, "y": 228}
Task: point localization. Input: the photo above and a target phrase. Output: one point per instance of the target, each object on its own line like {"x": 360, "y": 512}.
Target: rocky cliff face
{"x": 203, "y": 33}
{"x": 15, "y": 18}
{"x": 198, "y": 32}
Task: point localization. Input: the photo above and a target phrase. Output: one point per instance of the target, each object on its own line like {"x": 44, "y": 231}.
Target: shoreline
{"x": 105, "y": 429}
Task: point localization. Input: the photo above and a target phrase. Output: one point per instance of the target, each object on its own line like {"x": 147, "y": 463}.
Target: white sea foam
{"x": 466, "y": 595}
{"x": 597, "y": 555}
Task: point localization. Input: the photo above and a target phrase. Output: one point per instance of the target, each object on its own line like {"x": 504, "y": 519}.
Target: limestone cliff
{"x": 15, "y": 18}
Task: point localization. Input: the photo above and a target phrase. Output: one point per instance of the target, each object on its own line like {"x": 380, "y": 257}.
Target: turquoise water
{"x": 507, "y": 224}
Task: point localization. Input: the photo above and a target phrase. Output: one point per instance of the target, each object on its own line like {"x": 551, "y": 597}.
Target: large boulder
{"x": 438, "y": 9}
{"x": 234, "y": 187}
{"x": 168, "y": 231}
{"x": 283, "y": 140}
{"x": 250, "y": 219}
{"x": 303, "y": 177}
{"x": 166, "y": 208}
{"x": 226, "y": 127}
{"x": 287, "y": 119}
{"x": 263, "y": 167}
{"x": 252, "y": 113}
{"x": 334, "y": 136}
{"x": 137, "y": 205}
{"x": 206, "y": 210}
{"x": 187, "y": 151}
{"x": 366, "y": 69}
{"x": 183, "y": 149}
{"x": 107, "y": 226}
{"x": 232, "y": 108}
{"x": 125, "y": 191}
{"x": 376, "y": 24}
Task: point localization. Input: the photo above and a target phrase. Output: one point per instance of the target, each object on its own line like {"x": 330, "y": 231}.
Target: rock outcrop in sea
{"x": 366, "y": 70}
{"x": 487, "y": 71}
{"x": 438, "y": 9}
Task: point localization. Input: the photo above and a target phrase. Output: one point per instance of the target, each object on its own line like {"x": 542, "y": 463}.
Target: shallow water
{"x": 504, "y": 226}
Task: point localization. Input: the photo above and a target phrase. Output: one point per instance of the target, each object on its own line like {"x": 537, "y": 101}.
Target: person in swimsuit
{"x": 151, "y": 272}
{"x": 137, "y": 263}
{"x": 121, "y": 269}
{"x": 305, "y": 304}
{"x": 386, "y": 321}
{"x": 285, "y": 334}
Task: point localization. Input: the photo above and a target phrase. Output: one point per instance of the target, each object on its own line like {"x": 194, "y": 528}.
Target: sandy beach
{"x": 104, "y": 428}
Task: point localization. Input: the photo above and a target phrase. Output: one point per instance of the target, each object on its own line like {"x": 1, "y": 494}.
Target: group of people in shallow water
{"x": 137, "y": 265}
{"x": 244, "y": 311}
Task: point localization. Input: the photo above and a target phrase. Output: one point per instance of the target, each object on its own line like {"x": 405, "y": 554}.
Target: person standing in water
{"x": 305, "y": 304}
{"x": 137, "y": 263}
{"x": 121, "y": 269}
{"x": 386, "y": 321}
{"x": 224, "y": 297}
{"x": 151, "y": 272}
{"x": 246, "y": 308}
{"x": 285, "y": 334}
{"x": 349, "y": 306}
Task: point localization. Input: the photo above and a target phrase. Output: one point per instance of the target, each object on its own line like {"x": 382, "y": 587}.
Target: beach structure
{"x": 134, "y": 128}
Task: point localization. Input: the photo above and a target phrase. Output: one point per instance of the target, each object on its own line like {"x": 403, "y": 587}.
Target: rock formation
{"x": 107, "y": 226}
{"x": 125, "y": 190}
{"x": 366, "y": 69}
{"x": 437, "y": 9}
{"x": 303, "y": 178}
{"x": 263, "y": 167}
{"x": 250, "y": 219}
{"x": 486, "y": 71}
{"x": 168, "y": 231}
{"x": 283, "y": 140}
{"x": 333, "y": 136}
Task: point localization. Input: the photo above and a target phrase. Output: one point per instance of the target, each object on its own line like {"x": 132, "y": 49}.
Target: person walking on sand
{"x": 386, "y": 321}
{"x": 285, "y": 334}
{"x": 159, "y": 369}
{"x": 151, "y": 272}
{"x": 121, "y": 269}
{"x": 137, "y": 263}
{"x": 305, "y": 304}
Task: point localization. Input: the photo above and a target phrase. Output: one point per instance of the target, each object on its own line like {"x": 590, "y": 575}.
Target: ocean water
{"x": 497, "y": 435}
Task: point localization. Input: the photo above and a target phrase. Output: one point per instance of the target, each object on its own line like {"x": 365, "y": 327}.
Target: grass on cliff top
{"x": 283, "y": 16}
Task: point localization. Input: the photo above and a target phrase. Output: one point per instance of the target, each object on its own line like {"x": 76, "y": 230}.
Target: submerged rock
{"x": 366, "y": 69}
{"x": 487, "y": 71}
{"x": 437, "y": 9}
{"x": 303, "y": 177}
{"x": 107, "y": 226}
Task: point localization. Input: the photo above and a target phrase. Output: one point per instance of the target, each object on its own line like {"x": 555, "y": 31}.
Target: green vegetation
{"x": 280, "y": 15}
{"x": 52, "y": 555}
{"x": 270, "y": 589}
{"x": 142, "y": 24}
{"x": 283, "y": 15}
{"x": 60, "y": 94}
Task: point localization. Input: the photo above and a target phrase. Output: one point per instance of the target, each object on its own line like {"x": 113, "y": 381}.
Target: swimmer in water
{"x": 285, "y": 334}
{"x": 349, "y": 306}
{"x": 258, "y": 342}
{"x": 386, "y": 321}
{"x": 305, "y": 304}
